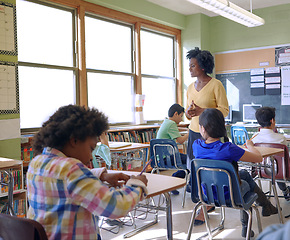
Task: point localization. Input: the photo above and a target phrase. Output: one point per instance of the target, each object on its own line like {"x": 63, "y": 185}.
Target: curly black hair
{"x": 68, "y": 122}
{"x": 204, "y": 58}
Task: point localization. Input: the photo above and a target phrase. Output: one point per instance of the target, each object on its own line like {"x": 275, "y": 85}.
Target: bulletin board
{"x": 9, "y": 84}
{"x": 234, "y": 70}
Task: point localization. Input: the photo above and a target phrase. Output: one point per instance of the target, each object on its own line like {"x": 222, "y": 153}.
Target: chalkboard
{"x": 238, "y": 90}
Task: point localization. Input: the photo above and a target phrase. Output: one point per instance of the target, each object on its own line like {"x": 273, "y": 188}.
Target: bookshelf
{"x": 19, "y": 197}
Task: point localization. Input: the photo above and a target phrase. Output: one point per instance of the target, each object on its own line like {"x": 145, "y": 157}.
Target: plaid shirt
{"x": 64, "y": 195}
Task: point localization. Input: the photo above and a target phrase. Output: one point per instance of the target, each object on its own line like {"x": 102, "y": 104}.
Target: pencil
{"x": 251, "y": 138}
{"x": 144, "y": 168}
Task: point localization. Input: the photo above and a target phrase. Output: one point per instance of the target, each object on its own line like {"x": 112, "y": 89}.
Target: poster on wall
{"x": 285, "y": 85}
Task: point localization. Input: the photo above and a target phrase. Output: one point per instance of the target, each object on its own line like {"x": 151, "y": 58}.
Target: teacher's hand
{"x": 194, "y": 110}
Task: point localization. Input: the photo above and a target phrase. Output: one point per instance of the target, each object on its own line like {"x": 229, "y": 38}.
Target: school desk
{"x": 268, "y": 152}
{"x": 158, "y": 184}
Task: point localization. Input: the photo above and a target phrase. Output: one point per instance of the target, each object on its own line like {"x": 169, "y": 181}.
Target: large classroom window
{"x": 92, "y": 56}
{"x": 158, "y": 73}
{"x": 109, "y": 51}
{"x": 47, "y": 65}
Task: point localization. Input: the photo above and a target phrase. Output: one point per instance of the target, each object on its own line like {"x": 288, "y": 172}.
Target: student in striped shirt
{"x": 64, "y": 195}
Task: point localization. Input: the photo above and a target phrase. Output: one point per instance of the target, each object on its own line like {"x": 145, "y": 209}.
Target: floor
{"x": 181, "y": 219}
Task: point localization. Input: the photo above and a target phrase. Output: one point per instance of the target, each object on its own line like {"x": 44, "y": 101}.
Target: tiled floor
{"x": 181, "y": 218}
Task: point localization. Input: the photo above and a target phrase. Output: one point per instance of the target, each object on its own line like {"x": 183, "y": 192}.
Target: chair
{"x": 239, "y": 135}
{"x": 15, "y": 228}
{"x": 216, "y": 183}
{"x": 166, "y": 156}
{"x": 281, "y": 166}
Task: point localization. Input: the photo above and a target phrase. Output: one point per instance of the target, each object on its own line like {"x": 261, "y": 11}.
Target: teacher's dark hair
{"x": 204, "y": 58}
{"x": 213, "y": 122}
{"x": 68, "y": 122}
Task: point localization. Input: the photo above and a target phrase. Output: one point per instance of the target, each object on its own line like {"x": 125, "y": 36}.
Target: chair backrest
{"x": 165, "y": 154}
{"x": 239, "y": 135}
{"x": 216, "y": 182}
{"x": 282, "y": 162}
{"x": 15, "y": 228}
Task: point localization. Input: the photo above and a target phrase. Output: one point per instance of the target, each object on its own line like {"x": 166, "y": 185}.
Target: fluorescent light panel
{"x": 230, "y": 11}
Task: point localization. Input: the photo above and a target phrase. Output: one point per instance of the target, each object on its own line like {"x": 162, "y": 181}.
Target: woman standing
{"x": 204, "y": 92}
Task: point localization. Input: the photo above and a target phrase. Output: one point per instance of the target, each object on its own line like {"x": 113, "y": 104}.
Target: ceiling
{"x": 187, "y": 8}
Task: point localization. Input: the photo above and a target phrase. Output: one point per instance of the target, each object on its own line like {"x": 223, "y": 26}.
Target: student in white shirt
{"x": 266, "y": 118}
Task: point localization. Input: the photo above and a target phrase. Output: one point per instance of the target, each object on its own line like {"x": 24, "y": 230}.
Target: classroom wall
{"x": 146, "y": 10}
{"x": 227, "y": 35}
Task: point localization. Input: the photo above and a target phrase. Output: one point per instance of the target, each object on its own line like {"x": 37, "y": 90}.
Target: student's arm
{"x": 89, "y": 192}
{"x": 253, "y": 155}
{"x": 182, "y": 139}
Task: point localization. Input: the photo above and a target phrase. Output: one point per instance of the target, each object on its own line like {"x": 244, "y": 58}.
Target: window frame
{"x": 82, "y": 9}
{"x": 74, "y": 68}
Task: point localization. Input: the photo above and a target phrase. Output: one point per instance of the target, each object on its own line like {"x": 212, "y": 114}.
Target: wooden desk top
{"x": 158, "y": 184}
{"x": 287, "y": 137}
{"x": 267, "y": 151}
{"x": 132, "y": 146}
{"x": 9, "y": 163}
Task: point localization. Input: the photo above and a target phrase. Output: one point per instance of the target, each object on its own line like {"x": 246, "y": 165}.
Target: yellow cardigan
{"x": 212, "y": 95}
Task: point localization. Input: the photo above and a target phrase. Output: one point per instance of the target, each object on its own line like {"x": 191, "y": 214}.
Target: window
{"x": 47, "y": 65}
{"x": 158, "y": 74}
{"x": 109, "y": 62}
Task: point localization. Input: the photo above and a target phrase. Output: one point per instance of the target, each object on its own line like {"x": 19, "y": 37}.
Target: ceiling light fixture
{"x": 230, "y": 11}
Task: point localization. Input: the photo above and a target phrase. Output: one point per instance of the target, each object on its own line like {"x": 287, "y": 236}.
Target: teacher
{"x": 204, "y": 92}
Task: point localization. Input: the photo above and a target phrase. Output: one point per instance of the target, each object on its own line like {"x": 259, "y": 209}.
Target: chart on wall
{"x": 8, "y": 42}
{"x": 9, "y": 93}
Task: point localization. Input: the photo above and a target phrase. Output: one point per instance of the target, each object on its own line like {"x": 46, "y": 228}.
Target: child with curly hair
{"x": 64, "y": 194}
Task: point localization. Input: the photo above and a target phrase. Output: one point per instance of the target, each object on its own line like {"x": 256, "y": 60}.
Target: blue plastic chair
{"x": 166, "y": 156}
{"x": 216, "y": 183}
{"x": 239, "y": 135}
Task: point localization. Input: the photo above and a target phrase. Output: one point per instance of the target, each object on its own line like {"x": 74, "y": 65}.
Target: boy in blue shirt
{"x": 169, "y": 130}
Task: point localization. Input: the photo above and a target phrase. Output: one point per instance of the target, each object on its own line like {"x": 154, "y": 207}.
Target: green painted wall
{"x": 11, "y": 148}
{"x": 146, "y": 10}
{"x": 227, "y": 35}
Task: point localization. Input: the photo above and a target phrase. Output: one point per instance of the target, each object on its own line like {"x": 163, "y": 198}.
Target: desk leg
{"x": 168, "y": 215}
{"x": 275, "y": 190}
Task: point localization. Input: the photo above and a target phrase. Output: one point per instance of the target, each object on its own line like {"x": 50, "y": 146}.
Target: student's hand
{"x": 141, "y": 178}
{"x": 115, "y": 179}
{"x": 104, "y": 139}
{"x": 249, "y": 143}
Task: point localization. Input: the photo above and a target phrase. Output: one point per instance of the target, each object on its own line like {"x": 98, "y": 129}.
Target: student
{"x": 102, "y": 151}
{"x": 212, "y": 128}
{"x": 169, "y": 130}
{"x": 266, "y": 118}
{"x": 64, "y": 194}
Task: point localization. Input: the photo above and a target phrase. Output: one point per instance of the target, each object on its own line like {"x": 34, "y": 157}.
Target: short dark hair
{"x": 204, "y": 58}
{"x": 175, "y": 108}
{"x": 213, "y": 122}
{"x": 68, "y": 122}
{"x": 264, "y": 115}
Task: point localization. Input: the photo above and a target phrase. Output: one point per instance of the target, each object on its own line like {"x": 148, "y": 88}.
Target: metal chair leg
{"x": 192, "y": 220}
{"x": 249, "y": 228}
{"x": 258, "y": 218}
